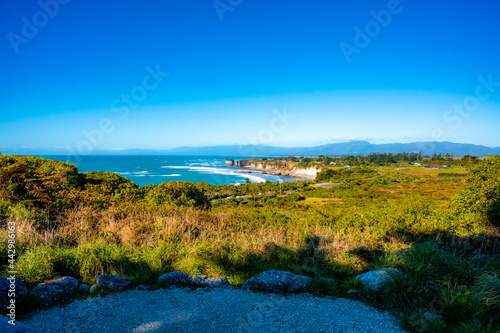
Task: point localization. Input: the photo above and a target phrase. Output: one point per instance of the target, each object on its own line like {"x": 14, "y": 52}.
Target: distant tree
{"x": 470, "y": 159}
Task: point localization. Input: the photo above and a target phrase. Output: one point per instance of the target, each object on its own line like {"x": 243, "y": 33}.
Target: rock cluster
{"x": 57, "y": 289}
{"x": 275, "y": 281}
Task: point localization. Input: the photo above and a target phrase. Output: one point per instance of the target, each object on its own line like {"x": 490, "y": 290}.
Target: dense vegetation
{"x": 440, "y": 227}
{"x": 378, "y": 159}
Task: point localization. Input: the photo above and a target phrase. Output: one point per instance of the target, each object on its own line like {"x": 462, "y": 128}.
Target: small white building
{"x": 417, "y": 164}
{"x": 347, "y": 167}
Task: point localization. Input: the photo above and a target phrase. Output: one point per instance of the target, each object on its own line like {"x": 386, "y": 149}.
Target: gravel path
{"x": 212, "y": 310}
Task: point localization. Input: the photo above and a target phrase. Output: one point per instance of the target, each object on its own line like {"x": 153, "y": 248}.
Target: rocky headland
{"x": 288, "y": 169}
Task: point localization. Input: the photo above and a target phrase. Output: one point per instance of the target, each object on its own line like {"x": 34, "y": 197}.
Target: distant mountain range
{"x": 343, "y": 148}
{"x": 333, "y": 149}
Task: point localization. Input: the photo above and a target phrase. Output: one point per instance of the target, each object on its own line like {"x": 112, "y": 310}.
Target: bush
{"x": 102, "y": 189}
{"x": 176, "y": 193}
{"x": 36, "y": 181}
{"x": 482, "y": 195}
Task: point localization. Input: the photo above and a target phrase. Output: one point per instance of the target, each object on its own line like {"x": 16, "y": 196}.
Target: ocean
{"x": 145, "y": 170}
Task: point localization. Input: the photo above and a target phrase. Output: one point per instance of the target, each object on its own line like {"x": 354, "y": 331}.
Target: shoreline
{"x": 277, "y": 173}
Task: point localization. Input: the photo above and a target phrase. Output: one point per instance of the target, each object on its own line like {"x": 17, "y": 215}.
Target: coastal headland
{"x": 278, "y": 168}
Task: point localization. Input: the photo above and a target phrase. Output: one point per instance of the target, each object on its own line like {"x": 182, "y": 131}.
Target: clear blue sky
{"x": 68, "y": 70}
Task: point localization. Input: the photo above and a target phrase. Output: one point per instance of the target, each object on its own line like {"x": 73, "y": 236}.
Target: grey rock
{"x": 84, "y": 288}
{"x": 380, "y": 279}
{"x": 207, "y": 281}
{"x": 175, "y": 278}
{"x": 7, "y": 285}
{"x": 93, "y": 288}
{"x": 183, "y": 279}
{"x": 54, "y": 290}
{"x": 279, "y": 281}
{"x": 68, "y": 283}
{"x": 113, "y": 282}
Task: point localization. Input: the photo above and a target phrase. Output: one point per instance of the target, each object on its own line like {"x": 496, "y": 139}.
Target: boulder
{"x": 279, "y": 281}
{"x": 11, "y": 286}
{"x": 379, "y": 279}
{"x": 183, "y": 279}
{"x": 207, "y": 281}
{"x": 113, "y": 282}
{"x": 54, "y": 290}
{"x": 175, "y": 278}
{"x": 84, "y": 288}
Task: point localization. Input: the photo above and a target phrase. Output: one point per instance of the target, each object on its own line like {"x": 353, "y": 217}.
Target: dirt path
{"x": 212, "y": 310}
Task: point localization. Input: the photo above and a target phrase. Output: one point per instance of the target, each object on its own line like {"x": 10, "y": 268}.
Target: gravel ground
{"x": 212, "y": 310}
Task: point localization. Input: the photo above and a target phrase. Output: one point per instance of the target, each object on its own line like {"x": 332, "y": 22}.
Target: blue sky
{"x": 92, "y": 75}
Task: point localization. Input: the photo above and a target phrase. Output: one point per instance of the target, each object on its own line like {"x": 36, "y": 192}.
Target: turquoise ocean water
{"x": 144, "y": 170}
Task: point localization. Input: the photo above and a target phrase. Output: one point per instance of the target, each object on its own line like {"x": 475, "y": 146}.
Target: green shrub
{"x": 176, "y": 193}
{"x": 482, "y": 194}
{"x": 36, "y": 181}
{"x": 36, "y": 263}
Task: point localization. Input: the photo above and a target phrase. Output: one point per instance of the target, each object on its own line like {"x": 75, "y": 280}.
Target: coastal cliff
{"x": 290, "y": 169}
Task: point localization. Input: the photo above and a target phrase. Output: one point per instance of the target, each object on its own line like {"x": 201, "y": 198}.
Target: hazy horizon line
{"x": 66, "y": 150}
